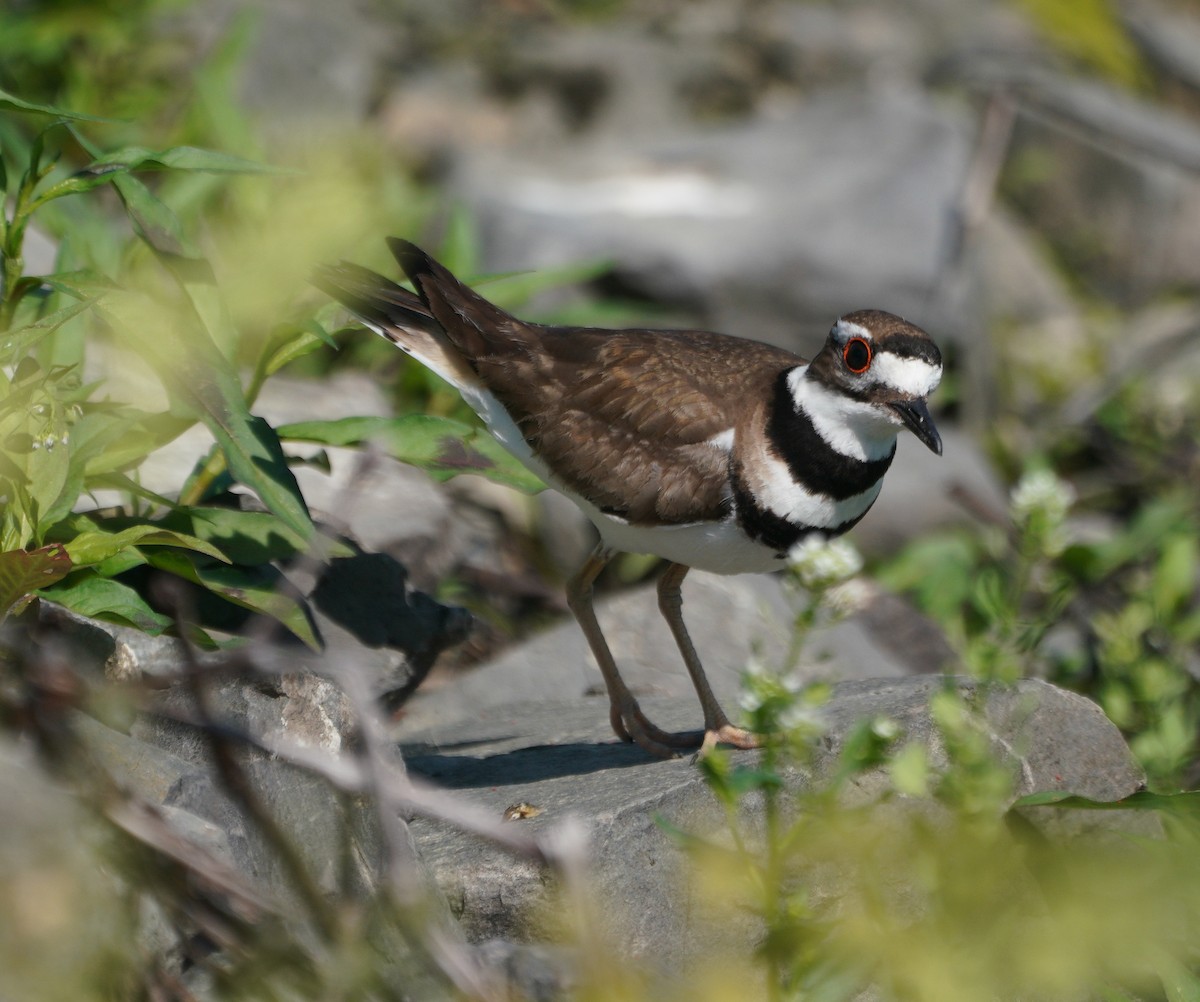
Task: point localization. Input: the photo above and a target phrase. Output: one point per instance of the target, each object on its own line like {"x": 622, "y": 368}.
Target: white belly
{"x": 719, "y": 547}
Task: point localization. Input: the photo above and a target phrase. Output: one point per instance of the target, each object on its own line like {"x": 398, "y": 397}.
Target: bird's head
{"x": 886, "y": 367}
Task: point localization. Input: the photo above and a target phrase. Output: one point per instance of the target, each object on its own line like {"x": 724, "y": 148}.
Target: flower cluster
{"x": 1040, "y": 493}
{"x": 1039, "y": 504}
{"x": 820, "y": 563}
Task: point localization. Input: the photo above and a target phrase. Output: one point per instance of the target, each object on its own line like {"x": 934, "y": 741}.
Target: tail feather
{"x": 375, "y": 300}
{"x": 473, "y": 324}
{"x": 400, "y": 316}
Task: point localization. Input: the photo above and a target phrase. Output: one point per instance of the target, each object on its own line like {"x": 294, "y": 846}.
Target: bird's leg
{"x": 628, "y": 721}
{"x": 717, "y": 728}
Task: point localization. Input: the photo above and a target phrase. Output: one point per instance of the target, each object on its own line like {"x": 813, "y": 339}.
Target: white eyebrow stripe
{"x": 914, "y": 377}
{"x": 844, "y": 330}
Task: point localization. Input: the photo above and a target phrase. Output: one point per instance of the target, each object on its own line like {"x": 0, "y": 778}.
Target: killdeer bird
{"x": 706, "y": 450}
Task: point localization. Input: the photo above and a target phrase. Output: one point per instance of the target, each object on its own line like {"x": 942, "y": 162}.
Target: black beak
{"x": 915, "y": 414}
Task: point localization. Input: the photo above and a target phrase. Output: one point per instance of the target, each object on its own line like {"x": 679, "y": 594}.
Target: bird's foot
{"x": 726, "y": 734}
{"x": 630, "y": 724}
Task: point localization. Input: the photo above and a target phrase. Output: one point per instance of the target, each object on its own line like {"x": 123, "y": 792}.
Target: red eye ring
{"x": 857, "y": 355}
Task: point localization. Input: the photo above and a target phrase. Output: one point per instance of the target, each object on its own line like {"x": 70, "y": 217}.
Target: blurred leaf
{"x": 121, "y": 482}
{"x": 93, "y": 546}
{"x": 440, "y": 446}
{"x": 118, "y": 442}
{"x": 459, "y": 249}
{"x": 111, "y": 601}
{"x": 114, "y": 165}
{"x": 514, "y": 289}
{"x": 83, "y": 283}
{"x": 10, "y": 102}
{"x": 289, "y": 342}
{"x": 153, "y": 220}
{"x": 989, "y": 595}
{"x": 198, "y": 375}
{"x": 909, "y": 770}
{"x": 25, "y": 571}
{"x": 1181, "y": 985}
{"x": 19, "y": 340}
{"x": 1183, "y": 805}
{"x": 1175, "y": 573}
{"x": 1092, "y": 32}
{"x": 258, "y": 589}
{"x": 245, "y": 537}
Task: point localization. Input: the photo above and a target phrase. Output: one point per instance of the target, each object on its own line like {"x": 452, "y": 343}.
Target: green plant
{"x": 882, "y": 864}
{"x": 1112, "y": 615}
{"x": 157, "y": 300}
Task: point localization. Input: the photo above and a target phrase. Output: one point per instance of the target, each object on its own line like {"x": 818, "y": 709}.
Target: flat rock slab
{"x": 562, "y": 759}
{"x": 732, "y": 620}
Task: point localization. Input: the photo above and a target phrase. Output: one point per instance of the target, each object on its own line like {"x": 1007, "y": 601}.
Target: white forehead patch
{"x": 845, "y": 329}
{"x": 913, "y": 377}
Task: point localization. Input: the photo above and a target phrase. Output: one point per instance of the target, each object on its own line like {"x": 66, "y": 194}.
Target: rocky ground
{"x": 758, "y": 168}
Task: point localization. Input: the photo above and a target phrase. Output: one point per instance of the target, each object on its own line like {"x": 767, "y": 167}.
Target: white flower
{"x": 821, "y": 562}
{"x": 756, "y": 667}
{"x": 1040, "y": 491}
{"x": 849, "y": 597}
{"x": 750, "y": 700}
{"x": 806, "y": 715}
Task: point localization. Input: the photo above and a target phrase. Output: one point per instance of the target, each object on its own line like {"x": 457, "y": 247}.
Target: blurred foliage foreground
{"x": 938, "y": 888}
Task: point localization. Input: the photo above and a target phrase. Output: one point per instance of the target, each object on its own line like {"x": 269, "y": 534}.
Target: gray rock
{"x": 559, "y": 758}
{"x": 1124, "y": 187}
{"x": 308, "y": 62}
{"x": 748, "y": 223}
{"x": 299, "y": 709}
{"x": 531, "y": 972}
{"x": 1169, "y": 38}
{"x": 732, "y": 620}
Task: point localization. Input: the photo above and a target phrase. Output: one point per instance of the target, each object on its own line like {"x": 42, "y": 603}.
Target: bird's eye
{"x": 857, "y": 355}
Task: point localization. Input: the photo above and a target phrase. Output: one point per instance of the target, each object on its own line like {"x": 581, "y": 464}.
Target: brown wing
{"x": 626, "y": 418}
{"x": 623, "y": 418}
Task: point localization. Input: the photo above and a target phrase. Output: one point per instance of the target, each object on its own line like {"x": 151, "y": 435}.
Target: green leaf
{"x": 25, "y": 571}
{"x": 459, "y": 249}
{"x": 153, "y": 220}
{"x": 20, "y": 340}
{"x": 289, "y": 342}
{"x": 440, "y": 446}
{"x": 120, "y": 482}
{"x": 118, "y": 164}
{"x": 10, "y": 102}
{"x": 92, "y": 547}
{"x": 183, "y": 158}
{"x": 1174, "y": 575}
{"x": 1184, "y": 805}
{"x": 514, "y": 289}
{"x": 257, "y": 589}
{"x": 990, "y": 596}
{"x": 125, "y": 440}
{"x": 111, "y": 601}
{"x": 198, "y": 376}
{"x": 245, "y": 537}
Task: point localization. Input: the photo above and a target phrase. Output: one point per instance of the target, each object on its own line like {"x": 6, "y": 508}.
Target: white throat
{"x": 851, "y": 427}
